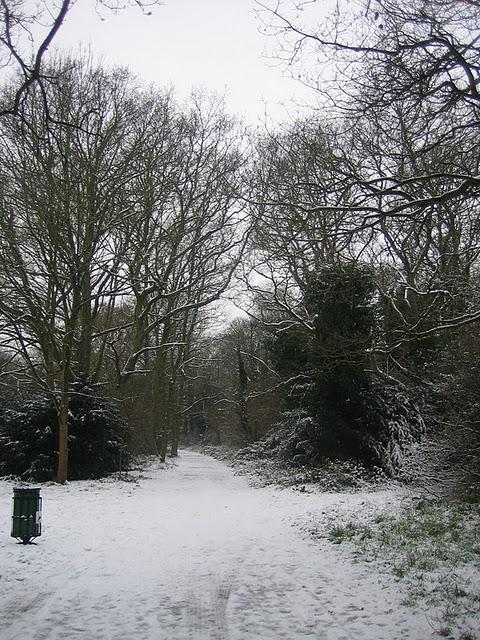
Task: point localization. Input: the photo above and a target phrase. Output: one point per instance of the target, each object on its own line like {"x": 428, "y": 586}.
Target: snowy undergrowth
{"x": 431, "y": 548}
{"x": 266, "y": 470}
{"x": 331, "y": 476}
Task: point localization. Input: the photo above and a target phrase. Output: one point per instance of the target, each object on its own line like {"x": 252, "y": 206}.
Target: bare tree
{"x": 230, "y": 385}
{"x": 183, "y": 241}
{"x": 116, "y": 231}
{"x": 27, "y": 30}
{"x": 61, "y": 202}
{"x": 378, "y": 52}
{"x": 400, "y": 80}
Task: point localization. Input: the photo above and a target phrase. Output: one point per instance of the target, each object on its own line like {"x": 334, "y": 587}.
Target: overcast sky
{"x": 190, "y": 43}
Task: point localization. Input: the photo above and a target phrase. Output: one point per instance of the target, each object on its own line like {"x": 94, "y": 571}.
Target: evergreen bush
{"x": 335, "y": 409}
{"x": 98, "y": 436}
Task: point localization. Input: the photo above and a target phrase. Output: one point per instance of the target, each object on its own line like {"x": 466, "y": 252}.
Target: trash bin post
{"x": 27, "y": 514}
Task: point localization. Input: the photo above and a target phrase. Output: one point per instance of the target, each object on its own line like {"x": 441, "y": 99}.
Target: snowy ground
{"x": 192, "y": 552}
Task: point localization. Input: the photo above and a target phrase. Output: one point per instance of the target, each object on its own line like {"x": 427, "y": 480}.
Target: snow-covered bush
{"x": 393, "y": 421}
{"x": 98, "y": 436}
{"x": 292, "y": 439}
{"x": 28, "y": 434}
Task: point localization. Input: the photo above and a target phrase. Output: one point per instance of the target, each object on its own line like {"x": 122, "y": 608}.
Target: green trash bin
{"x": 27, "y": 514}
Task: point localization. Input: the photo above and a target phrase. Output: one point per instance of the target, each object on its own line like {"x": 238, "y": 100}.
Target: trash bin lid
{"x": 28, "y": 491}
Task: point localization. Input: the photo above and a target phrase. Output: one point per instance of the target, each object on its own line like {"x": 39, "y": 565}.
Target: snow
{"x": 192, "y": 552}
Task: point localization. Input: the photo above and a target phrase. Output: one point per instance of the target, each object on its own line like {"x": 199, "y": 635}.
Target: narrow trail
{"x": 187, "y": 553}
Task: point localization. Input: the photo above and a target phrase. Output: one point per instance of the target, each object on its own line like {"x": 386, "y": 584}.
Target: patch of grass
{"x": 468, "y": 635}
{"x": 345, "y": 533}
{"x": 431, "y": 549}
{"x": 444, "y": 631}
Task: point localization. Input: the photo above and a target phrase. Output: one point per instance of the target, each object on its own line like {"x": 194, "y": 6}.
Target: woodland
{"x": 348, "y": 239}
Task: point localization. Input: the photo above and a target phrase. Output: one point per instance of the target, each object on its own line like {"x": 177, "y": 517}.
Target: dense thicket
{"x": 329, "y": 403}
{"x": 98, "y": 438}
{"x": 329, "y": 360}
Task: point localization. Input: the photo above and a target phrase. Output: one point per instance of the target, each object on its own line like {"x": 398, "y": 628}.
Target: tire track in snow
{"x": 206, "y": 612}
{"x": 220, "y": 597}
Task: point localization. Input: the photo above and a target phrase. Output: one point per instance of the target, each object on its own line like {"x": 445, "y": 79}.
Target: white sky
{"x": 191, "y": 43}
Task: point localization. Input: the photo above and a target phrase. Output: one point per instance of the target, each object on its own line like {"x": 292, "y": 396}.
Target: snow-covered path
{"x": 191, "y": 552}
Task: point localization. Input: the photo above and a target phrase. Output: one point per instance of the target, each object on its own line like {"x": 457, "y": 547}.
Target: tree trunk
{"x": 159, "y": 404}
{"x": 63, "y": 409}
{"x": 62, "y": 471}
{"x": 84, "y": 355}
{"x": 242, "y": 399}
{"x": 176, "y": 400}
